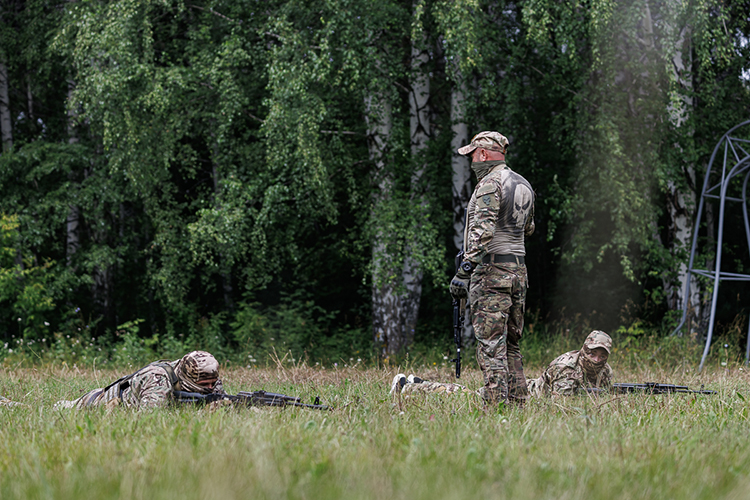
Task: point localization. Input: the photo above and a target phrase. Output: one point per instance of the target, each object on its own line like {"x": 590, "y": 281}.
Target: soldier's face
{"x": 599, "y": 355}
{"x": 207, "y": 383}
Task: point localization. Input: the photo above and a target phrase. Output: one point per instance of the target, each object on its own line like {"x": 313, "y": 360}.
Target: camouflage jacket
{"x": 149, "y": 387}
{"x": 500, "y": 214}
{"x": 564, "y": 376}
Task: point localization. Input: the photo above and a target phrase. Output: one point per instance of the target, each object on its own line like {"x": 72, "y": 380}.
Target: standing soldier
{"x": 493, "y": 273}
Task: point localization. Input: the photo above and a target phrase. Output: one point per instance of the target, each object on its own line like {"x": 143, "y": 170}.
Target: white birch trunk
{"x": 386, "y": 306}
{"x": 461, "y": 180}
{"x": 6, "y": 130}
{"x": 419, "y": 130}
{"x": 681, "y": 201}
{"x": 460, "y": 164}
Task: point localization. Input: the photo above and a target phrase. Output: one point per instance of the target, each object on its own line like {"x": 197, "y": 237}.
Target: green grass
{"x": 376, "y": 447}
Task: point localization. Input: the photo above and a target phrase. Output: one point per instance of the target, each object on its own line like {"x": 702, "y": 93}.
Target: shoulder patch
{"x": 486, "y": 188}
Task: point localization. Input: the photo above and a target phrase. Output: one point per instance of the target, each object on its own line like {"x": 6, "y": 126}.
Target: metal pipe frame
{"x": 741, "y": 165}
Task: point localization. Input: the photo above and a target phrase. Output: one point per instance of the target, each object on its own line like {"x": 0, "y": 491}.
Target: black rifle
{"x": 459, "y": 306}
{"x": 650, "y": 388}
{"x": 255, "y": 398}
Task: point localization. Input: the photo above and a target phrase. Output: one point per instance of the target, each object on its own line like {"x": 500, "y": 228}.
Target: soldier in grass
{"x": 564, "y": 376}
{"x": 7, "y": 402}
{"x": 416, "y": 385}
{"x": 575, "y": 370}
{"x": 152, "y": 385}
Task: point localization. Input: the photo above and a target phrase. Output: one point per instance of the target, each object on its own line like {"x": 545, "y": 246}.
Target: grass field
{"x": 375, "y": 447}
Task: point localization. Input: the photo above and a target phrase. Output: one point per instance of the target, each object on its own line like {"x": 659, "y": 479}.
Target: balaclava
{"x": 595, "y": 339}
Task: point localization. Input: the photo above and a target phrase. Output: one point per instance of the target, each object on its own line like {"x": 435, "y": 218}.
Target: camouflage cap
{"x": 493, "y": 141}
{"x": 598, "y": 339}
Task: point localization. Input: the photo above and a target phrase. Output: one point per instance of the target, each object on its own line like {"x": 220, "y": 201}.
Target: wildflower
{"x": 46, "y": 323}
{"x": 19, "y": 319}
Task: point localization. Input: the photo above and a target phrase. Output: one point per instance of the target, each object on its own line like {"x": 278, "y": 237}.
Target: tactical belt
{"x": 496, "y": 258}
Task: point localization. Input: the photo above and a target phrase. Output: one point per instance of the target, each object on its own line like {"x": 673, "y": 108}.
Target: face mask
{"x": 591, "y": 368}
{"x": 482, "y": 168}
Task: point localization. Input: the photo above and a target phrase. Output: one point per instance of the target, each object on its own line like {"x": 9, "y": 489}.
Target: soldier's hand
{"x": 221, "y": 403}
{"x": 460, "y": 283}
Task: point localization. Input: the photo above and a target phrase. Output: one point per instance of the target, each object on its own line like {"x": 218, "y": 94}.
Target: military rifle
{"x": 255, "y": 398}
{"x": 459, "y": 307}
{"x": 649, "y": 388}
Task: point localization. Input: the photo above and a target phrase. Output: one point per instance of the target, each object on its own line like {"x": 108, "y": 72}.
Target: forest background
{"x": 263, "y": 176}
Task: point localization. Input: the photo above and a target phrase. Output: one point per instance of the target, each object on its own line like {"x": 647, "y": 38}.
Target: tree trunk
{"x": 386, "y": 306}
{"x": 461, "y": 167}
{"x": 419, "y": 128}
{"x": 460, "y": 164}
{"x": 6, "y": 130}
{"x": 681, "y": 196}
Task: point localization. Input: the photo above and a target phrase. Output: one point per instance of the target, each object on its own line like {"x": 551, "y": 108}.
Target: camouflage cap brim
{"x": 491, "y": 141}
{"x": 598, "y": 338}
{"x": 467, "y": 150}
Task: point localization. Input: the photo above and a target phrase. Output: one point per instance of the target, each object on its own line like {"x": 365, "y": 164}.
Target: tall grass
{"x": 376, "y": 447}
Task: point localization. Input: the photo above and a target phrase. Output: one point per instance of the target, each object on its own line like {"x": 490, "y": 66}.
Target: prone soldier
{"x": 564, "y": 376}
{"x": 575, "y": 370}
{"x": 153, "y": 385}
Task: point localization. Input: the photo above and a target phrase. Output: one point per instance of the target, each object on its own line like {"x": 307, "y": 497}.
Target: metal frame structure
{"x": 739, "y": 164}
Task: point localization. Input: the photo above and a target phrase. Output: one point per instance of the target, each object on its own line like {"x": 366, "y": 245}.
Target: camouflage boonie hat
{"x": 493, "y": 141}
{"x": 598, "y": 339}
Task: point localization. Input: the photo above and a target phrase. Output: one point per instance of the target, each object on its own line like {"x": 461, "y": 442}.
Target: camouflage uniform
{"x": 7, "y": 402}
{"x": 152, "y": 385}
{"x": 575, "y": 369}
{"x": 500, "y": 216}
{"x": 415, "y": 385}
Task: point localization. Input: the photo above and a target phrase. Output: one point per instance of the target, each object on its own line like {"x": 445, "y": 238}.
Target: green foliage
{"x": 171, "y": 159}
{"x": 26, "y": 290}
{"x": 299, "y": 328}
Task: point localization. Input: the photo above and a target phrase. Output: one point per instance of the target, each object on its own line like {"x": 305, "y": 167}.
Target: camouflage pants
{"x": 428, "y": 387}
{"x": 498, "y": 298}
